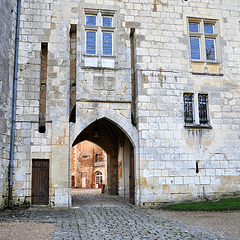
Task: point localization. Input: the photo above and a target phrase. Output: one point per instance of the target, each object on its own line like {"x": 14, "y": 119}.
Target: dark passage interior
{"x": 120, "y": 156}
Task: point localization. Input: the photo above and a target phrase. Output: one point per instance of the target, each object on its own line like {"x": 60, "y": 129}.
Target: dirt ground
{"x": 26, "y": 230}
{"x": 226, "y": 223}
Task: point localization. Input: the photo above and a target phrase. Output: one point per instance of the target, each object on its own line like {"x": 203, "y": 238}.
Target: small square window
{"x": 107, "y": 21}
{"x": 91, "y": 20}
{"x": 193, "y": 27}
{"x": 208, "y": 28}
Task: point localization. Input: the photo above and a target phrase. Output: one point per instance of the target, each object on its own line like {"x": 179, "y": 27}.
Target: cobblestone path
{"x": 98, "y": 217}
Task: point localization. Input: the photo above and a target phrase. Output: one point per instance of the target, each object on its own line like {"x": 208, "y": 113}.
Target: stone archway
{"x": 120, "y": 158}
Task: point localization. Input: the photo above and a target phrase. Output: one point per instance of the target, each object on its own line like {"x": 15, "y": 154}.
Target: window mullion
{"x": 202, "y": 42}
{"x": 99, "y": 41}
{"x": 99, "y": 46}
{"x": 196, "y": 110}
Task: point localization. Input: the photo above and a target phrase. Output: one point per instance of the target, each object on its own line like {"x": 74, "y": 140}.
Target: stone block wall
{"x": 167, "y": 152}
{"x": 50, "y": 22}
{"x": 7, "y": 33}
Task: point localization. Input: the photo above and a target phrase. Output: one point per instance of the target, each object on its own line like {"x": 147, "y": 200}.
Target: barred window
{"x": 188, "y": 107}
{"x": 202, "y": 108}
{"x": 195, "y": 112}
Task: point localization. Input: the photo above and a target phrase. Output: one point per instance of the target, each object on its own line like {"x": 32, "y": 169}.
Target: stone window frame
{"x": 202, "y": 65}
{"x": 195, "y": 110}
{"x": 99, "y": 29}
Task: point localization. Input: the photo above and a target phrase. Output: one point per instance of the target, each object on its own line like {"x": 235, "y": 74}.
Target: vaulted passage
{"x": 119, "y": 156}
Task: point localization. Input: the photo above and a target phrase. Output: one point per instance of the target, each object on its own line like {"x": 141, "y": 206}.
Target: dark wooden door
{"x": 132, "y": 178}
{"x": 40, "y": 181}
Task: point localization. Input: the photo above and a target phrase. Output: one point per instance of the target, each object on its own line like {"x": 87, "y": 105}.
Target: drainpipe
{"x": 14, "y": 98}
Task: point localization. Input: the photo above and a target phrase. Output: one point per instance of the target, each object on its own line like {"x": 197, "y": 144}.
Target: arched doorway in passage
{"x": 120, "y": 172}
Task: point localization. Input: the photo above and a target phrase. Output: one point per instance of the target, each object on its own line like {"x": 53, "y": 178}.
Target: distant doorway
{"x": 84, "y": 179}
{"x": 98, "y": 180}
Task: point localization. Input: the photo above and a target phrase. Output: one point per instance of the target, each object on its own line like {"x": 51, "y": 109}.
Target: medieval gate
{"x": 120, "y": 156}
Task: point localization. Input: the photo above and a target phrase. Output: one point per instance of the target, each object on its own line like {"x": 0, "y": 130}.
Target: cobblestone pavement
{"x": 98, "y": 217}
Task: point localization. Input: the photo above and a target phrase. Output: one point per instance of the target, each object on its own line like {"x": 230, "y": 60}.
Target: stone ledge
{"x": 208, "y": 74}
{"x": 198, "y": 126}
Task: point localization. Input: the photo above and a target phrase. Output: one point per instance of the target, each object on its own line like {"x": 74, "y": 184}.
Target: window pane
{"x": 188, "y": 107}
{"x": 193, "y": 27}
{"x": 90, "y": 42}
{"x": 210, "y": 49}
{"x": 209, "y": 28}
{"x": 202, "y": 108}
{"x": 195, "y": 48}
{"x": 107, "y": 21}
{"x": 91, "y": 20}
{"x": 107, "y": 43}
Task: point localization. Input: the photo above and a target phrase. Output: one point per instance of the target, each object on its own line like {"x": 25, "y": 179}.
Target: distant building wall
{"x": 88, "y": 159}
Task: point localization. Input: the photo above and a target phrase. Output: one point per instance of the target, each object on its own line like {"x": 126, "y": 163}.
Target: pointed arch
{"x": 114, "y": 116}
{"x": 112, "y": 131}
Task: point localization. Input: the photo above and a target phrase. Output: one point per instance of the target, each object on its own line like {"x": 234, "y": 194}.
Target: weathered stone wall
{"x": 166, "y": 151}
{"x": 7, "y": 33}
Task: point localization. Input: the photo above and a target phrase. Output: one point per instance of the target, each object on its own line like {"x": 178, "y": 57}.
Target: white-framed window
{"x": 99, "y": 179}
{"x": 203, "y": 38}
{"x": 196, "y": 108}
{"x": 99, "y": 33}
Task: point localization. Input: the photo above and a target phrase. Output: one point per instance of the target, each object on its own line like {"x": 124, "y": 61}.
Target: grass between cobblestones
{"x": 221, "y": 205}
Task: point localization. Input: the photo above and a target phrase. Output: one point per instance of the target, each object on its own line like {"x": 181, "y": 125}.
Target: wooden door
{"x": 132, "y": 178}
{"x": 40, "y": 181}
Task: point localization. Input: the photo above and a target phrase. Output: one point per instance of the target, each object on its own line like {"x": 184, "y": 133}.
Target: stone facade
{"x": 135, "y": 97}
{"x": 7, "y": 33}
